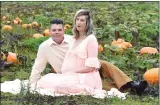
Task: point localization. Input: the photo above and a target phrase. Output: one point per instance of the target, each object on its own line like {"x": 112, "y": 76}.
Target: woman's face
{"x": 81, "y": 23}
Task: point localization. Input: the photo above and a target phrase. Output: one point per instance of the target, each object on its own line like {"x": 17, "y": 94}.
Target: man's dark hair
{"x": 57, "y": 21}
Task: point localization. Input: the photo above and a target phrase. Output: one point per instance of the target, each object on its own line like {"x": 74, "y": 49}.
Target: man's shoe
{"x": 137, "y": 87}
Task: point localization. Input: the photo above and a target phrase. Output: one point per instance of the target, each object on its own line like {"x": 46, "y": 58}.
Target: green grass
{"x": 35, "y": 99}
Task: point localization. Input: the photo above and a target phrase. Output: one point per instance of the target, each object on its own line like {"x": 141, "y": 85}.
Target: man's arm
{"x": 39, "y": 65}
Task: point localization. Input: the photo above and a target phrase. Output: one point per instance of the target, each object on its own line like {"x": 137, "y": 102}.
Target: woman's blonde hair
{"x": 89, "y": 23}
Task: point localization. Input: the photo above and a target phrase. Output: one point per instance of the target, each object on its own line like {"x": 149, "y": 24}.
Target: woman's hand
{"x": 86, "y": 70}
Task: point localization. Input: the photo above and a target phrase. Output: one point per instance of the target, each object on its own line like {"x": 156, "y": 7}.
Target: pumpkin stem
{"x": 116, "y": 34}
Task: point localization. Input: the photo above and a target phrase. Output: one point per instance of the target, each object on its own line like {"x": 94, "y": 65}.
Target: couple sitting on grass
{"x": 75, "y": 61}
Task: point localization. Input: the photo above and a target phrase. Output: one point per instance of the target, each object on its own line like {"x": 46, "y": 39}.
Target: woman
{"x": 80, "y": 67}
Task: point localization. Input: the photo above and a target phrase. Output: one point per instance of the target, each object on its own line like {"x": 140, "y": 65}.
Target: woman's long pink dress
{"x": 70, "y": 82}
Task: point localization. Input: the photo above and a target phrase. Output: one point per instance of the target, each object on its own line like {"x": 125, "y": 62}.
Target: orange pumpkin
{"x": 7, "y": 28}
{"x": 46, "y": 32}
{"x": 118, "y": 41}
{"x": 37, "y": 35}
{"x": 18, "y": 20}
{"x": 12, "y": 57}
{"x": 127, "y": 44}
{"x": 100, "y": 48}
{"x": 15, "y": 22}
{"x": 149, "y": 50}
{"x": 151, "y": 76}
{"x": 35, "y": 24}
{"x": 67, "y": 26}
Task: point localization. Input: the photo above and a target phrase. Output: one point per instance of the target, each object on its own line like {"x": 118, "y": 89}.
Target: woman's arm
{"x": 92, "y": 60}
{"x": 86, "y": 70}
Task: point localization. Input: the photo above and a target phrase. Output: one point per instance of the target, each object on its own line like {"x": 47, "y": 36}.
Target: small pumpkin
{"x": 149, "y": 50}
{"x": 24, "y": 25}
{"x": 4, "y": 18}
{"x": 67, "y": 26}
{"x": 12, "y": 57}
{"x": 15, "y": 22}
{"x": 7, "y": 28}
{"x": 100, "y": 48}
{"x": 46, "y": 32}
{"x": 29, "y": 25}
{"x": 37, "y": 35}
{"x": 35, "y": 24}
{"x": 18, "y": 20}
{"x": 151, "y": 76}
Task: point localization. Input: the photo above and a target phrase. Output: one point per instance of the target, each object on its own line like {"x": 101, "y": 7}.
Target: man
{"x": 53, "y": 51}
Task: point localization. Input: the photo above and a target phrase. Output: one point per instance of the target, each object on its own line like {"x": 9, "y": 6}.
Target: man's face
{"x": 57, "y": 32}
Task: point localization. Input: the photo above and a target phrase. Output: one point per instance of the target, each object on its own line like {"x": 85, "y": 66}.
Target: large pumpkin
{"x": 149, "y": 50}
{"x": 12, "y": 57}
{"x": 151, "y": 76}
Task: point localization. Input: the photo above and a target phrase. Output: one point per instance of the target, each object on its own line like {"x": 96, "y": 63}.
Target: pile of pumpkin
{"x": 120, "y": 45}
